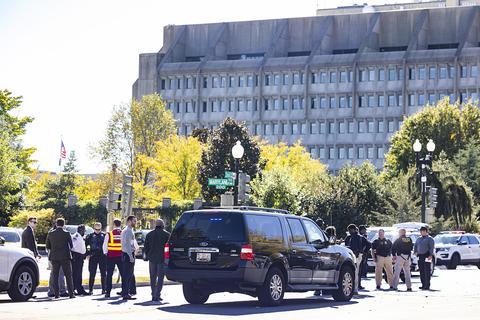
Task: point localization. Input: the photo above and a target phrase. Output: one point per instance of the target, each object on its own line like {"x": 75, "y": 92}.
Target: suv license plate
{"x": 204, "y": 257}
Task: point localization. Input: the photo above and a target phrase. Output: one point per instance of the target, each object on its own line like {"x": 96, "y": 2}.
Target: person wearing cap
{"x": 355, "y": 243}
{"x": 78, "y": 256}
{"x": 401, "y": 252}
{"x": 424, "y": 249}
{"x": 382, "y": 255}
{"x": 155, "y": 248}
{"x": 97, "y": 259}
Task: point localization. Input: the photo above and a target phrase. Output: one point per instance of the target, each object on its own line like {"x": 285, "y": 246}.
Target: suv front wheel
{"x": 23, "y": 284}
{"x": 194, "y": 295}
{"x": 346, "y": 283}
{"x": 273, "y": 289}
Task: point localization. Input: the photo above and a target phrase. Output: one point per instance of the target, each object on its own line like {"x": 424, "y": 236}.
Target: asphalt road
{"x": 455, "y": 295}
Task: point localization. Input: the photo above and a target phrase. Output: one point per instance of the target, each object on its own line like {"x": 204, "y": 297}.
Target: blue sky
{"x": 73, "y": 61}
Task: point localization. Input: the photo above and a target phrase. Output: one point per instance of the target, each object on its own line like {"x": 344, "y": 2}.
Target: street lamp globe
{"x": 417, "y": 146}
{"x": 430, "y": 146}
{"x": 237, "y": 150}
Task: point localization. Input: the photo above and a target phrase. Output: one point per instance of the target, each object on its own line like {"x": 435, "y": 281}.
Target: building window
{"x": 276, "y": 104}
{"x": 350, "y": 126}
{"x": 400, "y": 73}
{"x": 341, "y": 153}
{"x": 360, "y": 153}
{"x": 370, "y": 126}
{"x": 268, "y": 79}
{"x": 295, "y": 128}
{"x": 431, "y": 98}
{"x": 421, "y": 73}
{"x": 323, "y": 102}
{"x": 443, "y": 72}
{"x": 215, "y": 82}
{"x": 411, "y": 73}
{"x": 392, "y": 74}
{"x": 391, "y": 126}
{"x": 350, "y": 101}
{"x": 323, "y": 77}
{"x": 411, "y": 99}
{"x": 362, "y": 101}
{"x": 381, "y": 74}
{"x": 268, "y": 104}
{"x": 284, "y": 103}
{"x": 333, "y": 77}
{"x": 285, "y": 79}
{"x": 231, "y": 104}
{"x": 361, "y": 126}
{"x": 341, "y": 127}
{"x": 276, "y": 79}
{"x": 267, "y": 129}
{"x": 391, "y": 100}
{"x": 179, "y": 82}
{"x": 350, "y": 153}
{"x": 250, "y": 81}
{"x": 421, "y": 99}
{"x": 342, "y": 100}
{"x": 231, "y": 82}
{"x": 371, "y": 100}
{"x": 362, "y": 75}
{"x": 241, "y": 105}
{"x": 297, "y": 78}
{"x": 321, "y": 153}
{"x": 285, "y": 128}
{"x": 249, "y": 105}
{"x": 314, "y": 77}
{"x": 257, "y": 129}
{"x": 163, "y": 84}
{"x": 451, "y": 72}
{"x": 331, "y": 127}
{"x": 432, "y": 73}
{"x": 314, "y": 103}
{"x": 189, "y": 107}
{"x": 343, "y": 76}
{"x": 380, "y": 126}
{"x": 380, "y": 153}
{"x": 303, "y": 128}
{"x": 296, "y": 104}
{"x": 369, "y": 152}
{"x": 474, "y": 71}
{"x": 371, "y": 74}
{"x": 381, "y": 100}
{"x": 463, "y": 71}
{"x": 331, "y": 153}
{"x": 321, "y": 128}
{"x": 332, "y": 102}
{"x": 204, "y": 106}
{"x": 313, "y": 128}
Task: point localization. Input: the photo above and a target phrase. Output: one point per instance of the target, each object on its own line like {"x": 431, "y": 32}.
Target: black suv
{"x": 255, "y": 251}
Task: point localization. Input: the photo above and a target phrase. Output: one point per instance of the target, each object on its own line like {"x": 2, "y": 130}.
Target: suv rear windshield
{"x": 210, "y": 226}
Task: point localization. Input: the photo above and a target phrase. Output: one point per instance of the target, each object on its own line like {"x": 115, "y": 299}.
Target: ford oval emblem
{"x": 203, "y": 244}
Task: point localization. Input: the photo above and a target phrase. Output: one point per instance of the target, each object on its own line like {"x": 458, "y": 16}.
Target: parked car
{"x": 140, "y": 236}
{"x": 256, "y": 251}
{"x": 73, "y": 229}
{"x": 457, "y": 248}
{"x": 12, "y": 236}
{"x": 19, "y": 275}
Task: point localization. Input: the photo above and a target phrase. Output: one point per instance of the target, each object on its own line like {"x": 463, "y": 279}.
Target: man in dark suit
{"x": 28, "y": 237}
{"x": 59, "y": 243}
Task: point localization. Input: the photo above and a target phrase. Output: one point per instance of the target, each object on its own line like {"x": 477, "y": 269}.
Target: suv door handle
{"x": 294, "y": 251}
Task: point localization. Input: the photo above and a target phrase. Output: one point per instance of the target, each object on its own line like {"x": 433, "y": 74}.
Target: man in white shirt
{"x": 78, "y": 256}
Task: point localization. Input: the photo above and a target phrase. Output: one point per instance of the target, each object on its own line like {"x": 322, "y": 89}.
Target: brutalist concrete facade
{"x": 341, "y": 84}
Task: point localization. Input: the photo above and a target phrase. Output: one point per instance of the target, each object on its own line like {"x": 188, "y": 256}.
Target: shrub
{"x": 45, "y": 218}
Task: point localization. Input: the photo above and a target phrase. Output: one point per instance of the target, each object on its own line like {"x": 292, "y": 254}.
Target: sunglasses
{"x": 34, "y": 222}
{"x": 98, "y": 229}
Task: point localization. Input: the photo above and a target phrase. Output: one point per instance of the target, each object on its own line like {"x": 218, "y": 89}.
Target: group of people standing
{"x": 104, "y": 251}
{"x": 392, "y": 257}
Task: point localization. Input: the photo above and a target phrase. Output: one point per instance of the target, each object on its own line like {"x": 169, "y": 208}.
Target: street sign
{"x": 221, "y": 187}
{"x": 220, "y": 182}
{"x": 228, "y": 175}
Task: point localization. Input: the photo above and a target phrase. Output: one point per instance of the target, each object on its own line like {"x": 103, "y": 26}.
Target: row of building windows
{"x": 319, "y": 102}
{"x": 347, "y": 152}
{"x": 420, "y": 72}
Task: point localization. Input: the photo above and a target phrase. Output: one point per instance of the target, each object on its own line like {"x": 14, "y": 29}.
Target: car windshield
{"x": 210, "y": 226}
{"x": 10, "y": 236}
{"x": 447, "y": 239}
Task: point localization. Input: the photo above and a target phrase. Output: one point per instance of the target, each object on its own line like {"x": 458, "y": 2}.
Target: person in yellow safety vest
{"x": 112, "y": 248}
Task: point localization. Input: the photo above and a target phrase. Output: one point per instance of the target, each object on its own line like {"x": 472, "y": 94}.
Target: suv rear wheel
{"x": 194, "y": 295}
{"x": 273, "y": 289}
{"x": 23, "y": 284}
{"x": 346, "y": 283}
{"x": 454, "y": 261}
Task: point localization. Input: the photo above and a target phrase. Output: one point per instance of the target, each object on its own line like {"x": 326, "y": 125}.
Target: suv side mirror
{"x": 2, "y": 241}
{"x": 462, "y": 243}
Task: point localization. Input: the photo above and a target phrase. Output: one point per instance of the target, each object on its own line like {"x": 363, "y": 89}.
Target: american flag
{"x": 63, "y": 153}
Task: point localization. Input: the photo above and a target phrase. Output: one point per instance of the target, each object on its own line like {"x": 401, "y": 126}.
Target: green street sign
{"x": 221, "y": 187}
{"x": 220, "y": 182}
{"x": 228, "y": 174}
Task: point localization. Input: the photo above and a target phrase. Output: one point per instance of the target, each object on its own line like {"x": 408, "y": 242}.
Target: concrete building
{"x": 340, "y": 83}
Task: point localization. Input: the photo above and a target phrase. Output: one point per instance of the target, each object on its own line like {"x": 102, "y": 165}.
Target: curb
{"x": 117, "y": 285}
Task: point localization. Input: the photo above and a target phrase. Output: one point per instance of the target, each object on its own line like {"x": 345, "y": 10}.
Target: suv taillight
{"x": 246, "y": 253}
{"x": 166, "y": 253}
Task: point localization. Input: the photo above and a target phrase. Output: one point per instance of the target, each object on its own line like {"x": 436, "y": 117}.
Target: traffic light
{"x": 433, "y": 197}
{"x": 243, "y": 187}
{"x": 115, "y": 200}
{"x": 127, "y": 196}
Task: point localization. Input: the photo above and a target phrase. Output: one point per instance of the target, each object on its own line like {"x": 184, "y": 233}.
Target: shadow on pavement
{"x": 252, "y": 307}
{"x": 150, "y": 303}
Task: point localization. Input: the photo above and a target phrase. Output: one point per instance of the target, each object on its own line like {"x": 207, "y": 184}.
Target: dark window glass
{"x": 315, "y": 235}
{"x": 210, "y": 226}
{"x": 472, "y": 240}
{"x": 264, "y": 229}
{"x": 298, "y": 234}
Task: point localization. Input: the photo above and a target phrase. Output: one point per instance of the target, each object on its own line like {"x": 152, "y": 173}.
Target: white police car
{"x": 454, "y": 248}
{"x": 19, "y": 275}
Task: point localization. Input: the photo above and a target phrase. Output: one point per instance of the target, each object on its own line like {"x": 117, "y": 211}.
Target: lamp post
{"x": 237, "y": 153}
{"x": 422, "y": 165}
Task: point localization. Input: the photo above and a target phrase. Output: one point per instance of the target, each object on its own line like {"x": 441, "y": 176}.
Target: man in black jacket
{"x": 28, "y": 237}
{"x": 59, "y": 244}
{"x": 97, "y": 259}
{"x": 382, "y": 255}
{"x": 355, "y": 243}
{"x": 362, "y": 230}
{"x": 154, "y": 248}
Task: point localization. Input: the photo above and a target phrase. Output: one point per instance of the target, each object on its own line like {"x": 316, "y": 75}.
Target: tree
{"x": 467, "y": 161}
{"x": 92, "y": 190}
{"x": 217, "y": 155}
{"x": 201, "y": 134}
{"x": 175, "y": 167}
{"x": 403, "y": 197}
{"x": 448, "y": 125}
{"x": 14, "y": 158}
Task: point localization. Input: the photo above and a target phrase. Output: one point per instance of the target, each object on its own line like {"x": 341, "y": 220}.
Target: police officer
{"x": 401, "y": 252}
{"x": 94, "y": 242}
{"x": 424, "y": 248}
{"x": 78, "y": 255}
{"x": 367, "y": 246}
{"x": 355, "y": 243}
{"x": 382, "y": 255}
